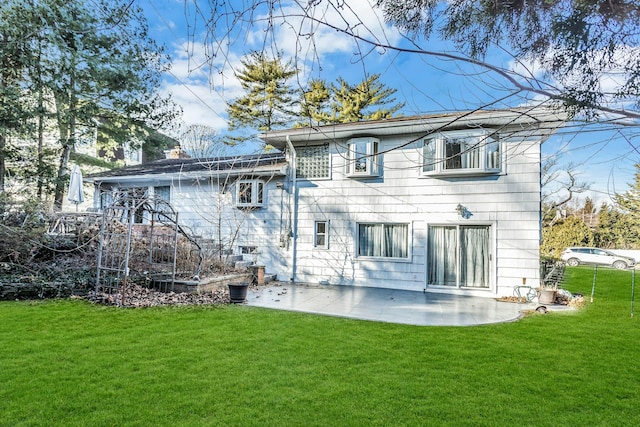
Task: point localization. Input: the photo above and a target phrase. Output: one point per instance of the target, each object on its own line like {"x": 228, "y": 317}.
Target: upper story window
{"x": 249, "y": 193}
{"x": 461, "y": 152}
{"x": 312, "y": 161}
{"x": 363, "y": 158}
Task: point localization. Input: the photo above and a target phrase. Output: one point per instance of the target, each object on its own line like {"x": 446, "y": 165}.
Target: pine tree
{"x": 269, "y": 101}
{"x": 629, "y": 204}
{"x": 15, "y": 57}
{"x": 102, "y": 70}
{"x": 363, "y": 101}
{"x": 316, "y": 103}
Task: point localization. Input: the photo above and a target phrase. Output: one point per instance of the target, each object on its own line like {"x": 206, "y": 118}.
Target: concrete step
{"x": 232, "y": 259}
{"x": 243, "y": 265}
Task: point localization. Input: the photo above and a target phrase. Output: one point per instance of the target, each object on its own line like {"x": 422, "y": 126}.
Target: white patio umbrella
{"x": 76, "y": 193}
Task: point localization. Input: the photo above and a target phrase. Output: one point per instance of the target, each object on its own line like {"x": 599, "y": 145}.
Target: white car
{"x": 576, "y": 256}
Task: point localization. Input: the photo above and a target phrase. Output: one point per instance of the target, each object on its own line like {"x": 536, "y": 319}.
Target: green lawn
{"x": 70, "y": 363}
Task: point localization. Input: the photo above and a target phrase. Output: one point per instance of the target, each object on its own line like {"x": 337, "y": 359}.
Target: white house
{"x": 444, "y": 203}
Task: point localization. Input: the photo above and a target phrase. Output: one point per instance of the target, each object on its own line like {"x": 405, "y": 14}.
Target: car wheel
{"x": 620, "y": 265}
{"x": 573, "y": 262}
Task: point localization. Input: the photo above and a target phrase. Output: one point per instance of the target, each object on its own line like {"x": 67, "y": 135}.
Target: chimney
{"x": 176, "y": 153}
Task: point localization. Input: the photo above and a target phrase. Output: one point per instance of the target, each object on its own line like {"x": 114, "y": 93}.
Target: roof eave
{"x": 517, "y": 117}
{"x": 281, "y": 170}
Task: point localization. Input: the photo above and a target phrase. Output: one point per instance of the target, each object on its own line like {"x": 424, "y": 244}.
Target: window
{"x": 106, "y": 199}
{"x": 458, "y": 256}
{"x": 312, "y": 161}
{"x": 249, "y": 193}
{"x": 135, "y": 198}
{"x": 248, "y": 250}
{"x": 363, "y": 157}
{"x": 321, "y": 238}
{"x": 461, "y": 152}
{"x": 383, "y": 240}
{"x": 162, "y": 194}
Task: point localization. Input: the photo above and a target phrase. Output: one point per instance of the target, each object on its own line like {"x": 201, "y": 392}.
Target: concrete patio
{"x": 386, "y": 305}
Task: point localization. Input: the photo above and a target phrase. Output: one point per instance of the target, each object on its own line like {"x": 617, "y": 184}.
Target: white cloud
{"x": 200, "y": 105}
{"x": 309, "y": 32}
{"x": 202, "y": 86}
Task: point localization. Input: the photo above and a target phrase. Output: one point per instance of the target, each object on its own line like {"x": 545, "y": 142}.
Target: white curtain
{"x": 472, "y": 252}
{"x": 474, "y": 256}
{"x": 442, "y": 255}
{"x": 493, "y": 154}
{"x": 429, "y": 155}
{"x": 383, "y": 240}
{"x": 470, "y": 155}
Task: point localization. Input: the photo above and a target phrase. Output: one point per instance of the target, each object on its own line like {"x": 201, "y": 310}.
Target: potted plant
{"x": 238, "y": 292}
{"x": 552, "y": 275}
{"x": 547, "y": 293}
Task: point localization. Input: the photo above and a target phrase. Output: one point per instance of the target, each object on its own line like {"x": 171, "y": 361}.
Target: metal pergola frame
{"x": 140, "y": 235}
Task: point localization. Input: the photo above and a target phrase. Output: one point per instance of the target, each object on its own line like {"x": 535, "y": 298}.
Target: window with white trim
{"x": 363, "y": 158}
{"x": 321, "y": 234}
{"x": 312, "y": 161}
{"x": 461, "y": 152}
{"x": 383, "y": 240}
{"x": 459, "y": 255}
{"x": 249, "y": 193}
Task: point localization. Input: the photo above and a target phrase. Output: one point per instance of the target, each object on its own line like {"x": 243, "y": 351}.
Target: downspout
{"x": 294, "y": 214}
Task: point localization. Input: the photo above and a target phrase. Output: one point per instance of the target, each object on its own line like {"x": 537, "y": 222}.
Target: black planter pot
{"x": 238, "y": 292}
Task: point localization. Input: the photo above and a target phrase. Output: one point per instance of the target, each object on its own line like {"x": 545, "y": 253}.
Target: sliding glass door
{"x": 458, "y": 256}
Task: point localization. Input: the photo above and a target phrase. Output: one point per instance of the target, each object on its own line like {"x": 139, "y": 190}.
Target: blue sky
{"x": 201, "y": 79}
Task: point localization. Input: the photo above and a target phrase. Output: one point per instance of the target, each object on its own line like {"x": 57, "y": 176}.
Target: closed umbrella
{"x": 76, "y": 193}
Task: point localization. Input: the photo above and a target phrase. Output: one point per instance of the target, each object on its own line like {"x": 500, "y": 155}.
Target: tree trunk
{"x": 67, "y": 126}
{"x": 2, "y": 163}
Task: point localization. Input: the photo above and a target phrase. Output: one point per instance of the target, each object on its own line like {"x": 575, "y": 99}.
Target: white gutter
{"x": 294, "y": 214}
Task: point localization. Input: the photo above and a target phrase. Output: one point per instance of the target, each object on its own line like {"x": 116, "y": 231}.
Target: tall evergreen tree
{"x": 101, "y": 64}
{"x": 345, "y": 103}
{"x": 15, "y": 56}
{"x": 629, "y": 204}
{"x": 363, "y": 101}
{"x": 316, "y": 103}
{"x": 269, "y": 99}
{"x": 82, "y": 66}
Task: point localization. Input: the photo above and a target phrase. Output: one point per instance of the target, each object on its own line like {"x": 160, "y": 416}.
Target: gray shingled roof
{"x": 171, "y": 166}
